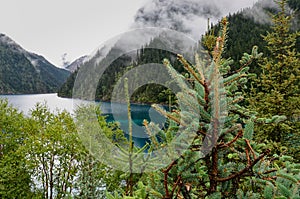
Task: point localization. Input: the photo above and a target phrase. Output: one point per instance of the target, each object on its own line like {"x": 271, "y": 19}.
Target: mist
{"x": 258, "y": 12}
{"x": 187, "y": 16}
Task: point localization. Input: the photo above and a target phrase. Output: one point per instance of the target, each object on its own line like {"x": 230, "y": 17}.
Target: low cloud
{"x": 188, "y": 16}
{"x": 259, "y": 11}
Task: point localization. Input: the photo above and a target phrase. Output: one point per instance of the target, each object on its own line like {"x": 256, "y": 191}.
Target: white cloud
{"x": 53, "y": 27}
{"x": 189, "y": 16}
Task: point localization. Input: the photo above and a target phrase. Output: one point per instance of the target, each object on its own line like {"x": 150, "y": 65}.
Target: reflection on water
{"x": 114, "y": 112}
{"x": 25, "y": 103}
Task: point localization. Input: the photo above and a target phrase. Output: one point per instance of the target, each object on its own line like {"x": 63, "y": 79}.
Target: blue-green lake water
{"x": 114, "y": 112}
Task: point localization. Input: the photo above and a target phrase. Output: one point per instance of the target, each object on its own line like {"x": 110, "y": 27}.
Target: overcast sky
{"x": 76, "y": 27}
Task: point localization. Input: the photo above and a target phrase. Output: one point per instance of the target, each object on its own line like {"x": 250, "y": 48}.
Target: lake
{"x": 113, "y": 111}
{"x": 27, "y": 102}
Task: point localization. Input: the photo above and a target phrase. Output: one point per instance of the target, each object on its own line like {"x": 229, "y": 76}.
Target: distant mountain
{"x": 186, "y": 16}
{"x": 245, "y": 30}
{"x": 76, "y": 64}
{"x": 23, "y": 72}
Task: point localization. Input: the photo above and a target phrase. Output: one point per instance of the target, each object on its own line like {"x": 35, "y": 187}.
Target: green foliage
{"x": 12, "y": 158}
{"x": 19, "y": 76}
{"x": 295, "y": 4}
{"x": 53, "y": 151}
{"x": 150, "y": 93}
{"x": 235, "y": 166}
{"x": 43, "y": 156}
{"x": 277, "y": 89}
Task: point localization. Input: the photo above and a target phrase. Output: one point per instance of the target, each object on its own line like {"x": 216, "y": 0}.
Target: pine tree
{"x": 235, "y": 162}
{"x": 278, "y": 87}
{"x": 222, "y": 161}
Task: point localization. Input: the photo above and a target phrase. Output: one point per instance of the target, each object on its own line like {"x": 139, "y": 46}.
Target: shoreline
{"x": 122, "y": 102}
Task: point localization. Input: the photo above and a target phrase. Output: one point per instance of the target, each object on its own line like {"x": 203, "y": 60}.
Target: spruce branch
{"x": 153, "y": 140}
{"x": 235, "y": 101}
{"x": 239, "y": 135}
{"x": 249, "y": 167}
{"x": 251, "y": 149}
{"x": 168, "y": 115}
{"x": 220, "y": 43}
{"x": 166, "y": 173}
{"x": 175, "y": 185}
{"x": 130, "y": 180}
{"x": 199, "y": 69}
{"x": 243, "y": 115}
{"x": 217, "y": 103}
{"x": 232, "y": 129}
{"x": 270, "y": 171}
{"x": 188, "y": 67}
{"x": 226, "y": 83}
{"x": 248, "y": 157}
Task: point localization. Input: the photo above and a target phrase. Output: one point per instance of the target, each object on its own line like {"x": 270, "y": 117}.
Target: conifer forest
{"x": 233, "y": 130}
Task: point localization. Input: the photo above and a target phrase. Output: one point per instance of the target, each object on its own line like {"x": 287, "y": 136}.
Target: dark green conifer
{"x": 277, "y": 89}
{"x": 223, "y": 160}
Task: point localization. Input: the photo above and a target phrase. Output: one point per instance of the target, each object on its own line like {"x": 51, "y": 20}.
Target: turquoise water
{"x": 139, "y": 113}
{"x": 113, "y": 111}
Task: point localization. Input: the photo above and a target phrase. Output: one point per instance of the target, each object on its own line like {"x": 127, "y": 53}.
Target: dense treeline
{"x": 42, "y": 156}
{"x": 146, "y": 55}
{"x": 108, "y": 78}
{"x": 22, "y": 72}
{"x": 212, "y": 147}
{"x": 244, "y": 33}
{"x": 277, "y": 89}
{"x": 17, "y": 74}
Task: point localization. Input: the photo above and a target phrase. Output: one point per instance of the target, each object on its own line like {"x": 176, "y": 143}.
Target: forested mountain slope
{"x": 22, "y": 72}
{"x": 245, "y": 31}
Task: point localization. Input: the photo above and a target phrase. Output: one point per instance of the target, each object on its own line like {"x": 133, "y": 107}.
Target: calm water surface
{"x": 114, "y": 112}
{"x": 27, "y": 102}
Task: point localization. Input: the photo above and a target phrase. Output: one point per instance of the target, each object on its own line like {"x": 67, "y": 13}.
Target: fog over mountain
{"x": 76, "y": 64}
{"x": 166, "y": 25}
{"x": 258, "y": 11}
{"x": 188, "y": 16}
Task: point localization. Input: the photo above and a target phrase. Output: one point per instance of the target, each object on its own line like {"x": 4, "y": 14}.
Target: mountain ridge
{"x": 244, "y": 32}
{"x": 24, "y": 72}
{"x": 72, "y": 67}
